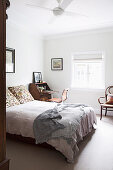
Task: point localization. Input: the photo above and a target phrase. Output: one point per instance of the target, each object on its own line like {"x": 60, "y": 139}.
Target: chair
{"x": 62, "y": 99}
{"x": 105, "y": 106}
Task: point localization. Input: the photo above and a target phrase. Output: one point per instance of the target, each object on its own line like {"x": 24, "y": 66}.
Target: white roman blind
{"x": 88, "y": 70}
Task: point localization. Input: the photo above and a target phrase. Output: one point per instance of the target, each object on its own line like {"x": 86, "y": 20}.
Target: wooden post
{"x": 4, "y": 163}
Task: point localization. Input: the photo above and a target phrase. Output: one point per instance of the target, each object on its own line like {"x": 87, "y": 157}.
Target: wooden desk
{"x": 37, "y": 95}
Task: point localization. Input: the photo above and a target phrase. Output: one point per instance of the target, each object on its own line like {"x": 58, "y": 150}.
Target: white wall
{"x": 28, "y": 56}
{"x": 64, "y": 47}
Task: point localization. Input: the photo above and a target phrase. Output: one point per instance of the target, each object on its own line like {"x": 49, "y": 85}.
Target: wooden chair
{"x": 105, "y": 106}
{"x": 62, "y": 99}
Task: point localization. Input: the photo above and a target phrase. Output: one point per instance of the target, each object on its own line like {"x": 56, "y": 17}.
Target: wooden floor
{"x": 96, "y": 153}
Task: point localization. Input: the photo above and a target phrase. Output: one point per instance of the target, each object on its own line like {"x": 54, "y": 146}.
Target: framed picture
{"x": 10, "y": 60}
{"x": 37, "y": 76}
{"x": 57, "y": 64}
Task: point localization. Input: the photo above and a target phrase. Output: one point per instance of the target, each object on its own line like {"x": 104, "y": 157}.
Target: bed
{"x": 20, "y": 120}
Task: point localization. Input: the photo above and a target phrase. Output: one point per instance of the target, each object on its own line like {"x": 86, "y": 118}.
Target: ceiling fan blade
{"x": 65, "y": 3}
{"x": 36, "y": 6}
{"x": 74, "y": 14}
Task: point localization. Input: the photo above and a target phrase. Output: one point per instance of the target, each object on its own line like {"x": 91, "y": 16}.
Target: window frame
{"x": 102, "y": 53}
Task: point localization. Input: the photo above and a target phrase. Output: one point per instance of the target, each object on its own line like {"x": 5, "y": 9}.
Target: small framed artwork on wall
{"x": 57, "y": 64}
{"x": 10, "y": 60}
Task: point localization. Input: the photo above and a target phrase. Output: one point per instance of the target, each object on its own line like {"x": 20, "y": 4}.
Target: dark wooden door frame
{"x": 4, "y": 163}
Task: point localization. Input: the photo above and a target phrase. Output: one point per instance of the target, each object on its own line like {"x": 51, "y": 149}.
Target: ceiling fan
{"x": 60, "y": 9}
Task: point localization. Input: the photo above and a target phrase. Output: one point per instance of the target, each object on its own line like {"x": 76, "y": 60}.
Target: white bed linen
{"x": 20, "y": 118}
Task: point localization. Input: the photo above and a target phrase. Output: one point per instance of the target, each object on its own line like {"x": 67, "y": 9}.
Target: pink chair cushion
{"x": 110, "y": 99}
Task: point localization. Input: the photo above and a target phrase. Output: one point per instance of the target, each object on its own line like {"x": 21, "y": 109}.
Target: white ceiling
{"x": 99, "y": 15}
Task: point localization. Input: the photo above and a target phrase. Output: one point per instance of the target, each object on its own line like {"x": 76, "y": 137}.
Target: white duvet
{"x": 20, "y": 118}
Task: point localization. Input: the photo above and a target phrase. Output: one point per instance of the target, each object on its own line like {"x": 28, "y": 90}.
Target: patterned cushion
{"x": 21, "y": 93}
{"x": 110, "y": 99}
{"x": 11, "y": 99}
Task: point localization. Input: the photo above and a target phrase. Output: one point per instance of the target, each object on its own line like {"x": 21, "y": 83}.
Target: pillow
{"x": 110, "y": 99}
{"x": 21, "y": 93}
{"x": 11, "y": 99}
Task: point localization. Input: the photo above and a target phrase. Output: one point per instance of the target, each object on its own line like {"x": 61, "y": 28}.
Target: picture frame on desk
{"x": 37, "y": 77}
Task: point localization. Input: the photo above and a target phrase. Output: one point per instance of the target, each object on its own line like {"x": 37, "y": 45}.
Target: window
{"x": 88, "y": 70}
